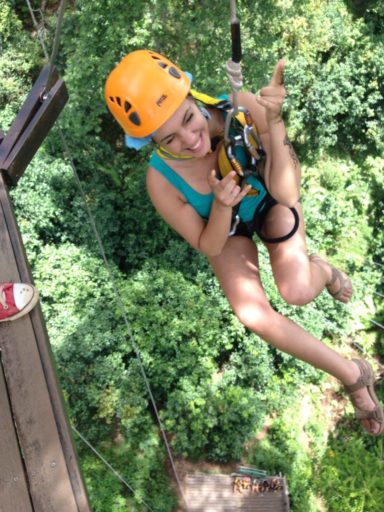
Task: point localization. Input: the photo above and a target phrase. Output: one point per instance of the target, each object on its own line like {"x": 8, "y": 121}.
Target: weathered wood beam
{"x": 13, "y": 484}
{"x": 32, "y": 124}
{"x": 26, "y": 113}
{"x": 36, "y": 445}
{"x": 50, "y": 461}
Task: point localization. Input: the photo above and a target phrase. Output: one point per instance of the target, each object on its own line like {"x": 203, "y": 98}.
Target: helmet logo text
{"x": 161, "y": 100}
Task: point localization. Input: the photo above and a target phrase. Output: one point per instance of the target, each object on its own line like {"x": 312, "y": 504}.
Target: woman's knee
{"x": 258, "y": 318}
{"x": 294, "y": 293}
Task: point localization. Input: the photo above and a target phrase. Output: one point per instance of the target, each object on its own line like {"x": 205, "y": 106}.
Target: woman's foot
{"x": 338, "y": 285}
{"x": 361, "y": 391}
{"x": 16, "y": 300}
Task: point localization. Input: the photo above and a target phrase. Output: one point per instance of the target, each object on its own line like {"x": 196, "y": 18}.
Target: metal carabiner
{"x": 235, "y": 164}
{"x": 235, "y": 223}
{"x": 248, "y": 132}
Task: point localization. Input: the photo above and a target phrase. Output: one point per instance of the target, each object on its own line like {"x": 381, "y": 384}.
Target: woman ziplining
{"x": 217, "y": 210}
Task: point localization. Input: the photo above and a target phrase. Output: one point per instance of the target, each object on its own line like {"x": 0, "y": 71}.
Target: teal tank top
{"x": 202, "y": 203}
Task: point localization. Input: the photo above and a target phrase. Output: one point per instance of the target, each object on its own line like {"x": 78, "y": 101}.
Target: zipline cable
{"x": 117, "y": 294}
{"x": 111, "y": 468}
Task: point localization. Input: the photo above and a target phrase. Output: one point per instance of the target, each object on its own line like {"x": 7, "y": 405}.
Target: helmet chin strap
{"x": 206, "y": 113}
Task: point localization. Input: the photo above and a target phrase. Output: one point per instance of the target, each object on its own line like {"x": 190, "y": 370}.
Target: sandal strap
{"x": 336, "y": 275}
{"x": 375, "y": 414}
{"x": 365, "y": 379}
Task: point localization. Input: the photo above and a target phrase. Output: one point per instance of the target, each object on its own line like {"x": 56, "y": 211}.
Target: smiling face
{"x": 186, "y": 133}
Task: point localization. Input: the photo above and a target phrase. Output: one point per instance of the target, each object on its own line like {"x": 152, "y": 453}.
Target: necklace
{"x": 168, "y": 155}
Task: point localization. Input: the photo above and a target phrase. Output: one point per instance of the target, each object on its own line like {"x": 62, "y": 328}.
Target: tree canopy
{"x": 216, "y": 384}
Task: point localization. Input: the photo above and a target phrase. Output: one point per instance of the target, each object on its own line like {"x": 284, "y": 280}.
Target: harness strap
{"x": 259, "y": 217}
{"x": 220, "y": 103}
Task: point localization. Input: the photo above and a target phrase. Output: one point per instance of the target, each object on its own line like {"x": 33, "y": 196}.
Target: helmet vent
{"x": 162, "y": 65}
{"x": 127, "y": 106}
{"x": 173, "y": 72}
{"x": 118, "y": 101}
{"x": 135, "y": 119}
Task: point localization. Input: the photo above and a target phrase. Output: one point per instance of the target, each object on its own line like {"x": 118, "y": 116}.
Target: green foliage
{"x": 18, "y": 61}
{"x": 376, "y": 246}
{"x": 340, "y": 472}
{"x": 336, "y": 201}
{"x": 213, "y": 420}
{"x": 285, "y": 450}
{"x": 144, "y": 475}
{"x": 350, "y": 475}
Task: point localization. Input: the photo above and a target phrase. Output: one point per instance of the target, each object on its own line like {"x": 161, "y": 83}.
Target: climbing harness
{"x": 240, "y": 132}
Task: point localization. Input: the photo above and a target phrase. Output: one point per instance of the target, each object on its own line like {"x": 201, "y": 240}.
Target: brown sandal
{"x": 366, "y": 380}
{"x": 337, "y": 274}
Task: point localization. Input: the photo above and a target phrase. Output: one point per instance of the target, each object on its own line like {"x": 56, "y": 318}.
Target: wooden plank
{"x": 34, "y": 133}
{"x": 26, "y": 113}
{"x": 49, "y": 456}
{"x": 13, "y": 485}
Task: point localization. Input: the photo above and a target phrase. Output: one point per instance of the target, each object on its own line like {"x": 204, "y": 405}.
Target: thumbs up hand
{"x": 272, "y": 96}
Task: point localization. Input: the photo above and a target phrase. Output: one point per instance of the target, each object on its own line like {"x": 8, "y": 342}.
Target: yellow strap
{"x": 205, "y": 98}
{"x": 164, "y": 153}
{"x": 209, "y": 100}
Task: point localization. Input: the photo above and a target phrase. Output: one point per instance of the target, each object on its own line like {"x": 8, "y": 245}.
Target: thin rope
{"x": 122, "y": 309}
{"x": 119, "y": 302}
{"x": 36, "y": 25}
{"x": 232, "y": 6}
{"x": 56, "y": 42}
{"x": 374, "y": 322}
{"x": 55, "y": 47}
{"x": 109, "y": 466}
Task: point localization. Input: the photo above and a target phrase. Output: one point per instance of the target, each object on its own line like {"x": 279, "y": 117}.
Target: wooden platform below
{"x": 215, "y": 493}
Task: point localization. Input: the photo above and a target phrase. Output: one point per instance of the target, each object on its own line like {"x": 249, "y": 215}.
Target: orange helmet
{"x": 144, "y": 90}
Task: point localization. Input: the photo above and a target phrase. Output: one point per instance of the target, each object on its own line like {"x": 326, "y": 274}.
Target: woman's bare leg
{"x": 298, "y": 278}
{"x": 238, "y": 273}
